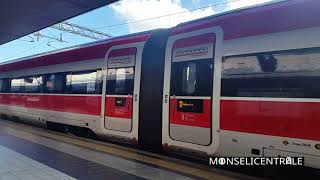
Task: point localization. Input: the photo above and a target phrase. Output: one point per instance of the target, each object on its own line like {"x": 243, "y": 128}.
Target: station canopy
{"x": 19, "y": 18}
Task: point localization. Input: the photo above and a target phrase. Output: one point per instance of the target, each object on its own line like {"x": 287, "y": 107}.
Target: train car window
{"x": 82, "y": 82}
{"x": 55, "y": 83}
{"x": 1, "y": 85}
{"x": 285, "y": 74}
{"x": 4, "y": 84}
{"x": 17, "y": 85}
{"x": 33, "y": 84}
{"x": 120, "y": 81}
{"x": 192, "y": 78}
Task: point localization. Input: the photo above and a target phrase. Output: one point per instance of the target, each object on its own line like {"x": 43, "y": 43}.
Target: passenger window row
{"x": 282, "y": 74}
{"x": 83, "y": 82}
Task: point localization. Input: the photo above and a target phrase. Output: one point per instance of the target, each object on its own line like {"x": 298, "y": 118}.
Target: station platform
{"x": 28, "y": 152}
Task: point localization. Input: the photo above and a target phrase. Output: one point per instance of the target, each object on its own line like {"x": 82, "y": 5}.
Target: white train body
{"x": 243, "y": 83}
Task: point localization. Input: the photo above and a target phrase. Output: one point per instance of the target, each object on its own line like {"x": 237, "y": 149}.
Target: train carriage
{"x": 242, "y": 83}
{"x": 68, "y": 87}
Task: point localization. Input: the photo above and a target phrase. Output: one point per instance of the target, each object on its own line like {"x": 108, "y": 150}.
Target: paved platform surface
{"x": 33, "y": 153}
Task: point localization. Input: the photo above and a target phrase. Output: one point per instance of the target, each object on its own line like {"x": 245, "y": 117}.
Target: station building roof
{"x": 19, "y": 18}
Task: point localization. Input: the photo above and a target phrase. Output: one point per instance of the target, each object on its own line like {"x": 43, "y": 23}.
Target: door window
{"x": 120, "y": 81}
{"x": 192, "y": 78}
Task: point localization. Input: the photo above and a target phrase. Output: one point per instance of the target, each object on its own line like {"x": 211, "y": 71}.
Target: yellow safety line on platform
{"x": 201, "y": 173}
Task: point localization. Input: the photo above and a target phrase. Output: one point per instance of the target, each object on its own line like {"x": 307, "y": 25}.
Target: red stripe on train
{"x": 123, "y": 52}
{"x": 202, "y": 119}
{"x": 194, "y": 41}
{"x": 287, "y": 119}
{"x": 279, "y": 17}
{"x": 119, "y": 107}
{"x": 90, "y": 105}
{"x": 90, "y": 52}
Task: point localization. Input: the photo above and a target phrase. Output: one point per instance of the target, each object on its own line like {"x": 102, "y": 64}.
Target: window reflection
{"x": 83, "y": 82}
{"x": 55, "y": 83}
{"x": 192, "y": 78}
{"x": 120, "y": 81}
{"x": 292, "y": 73}
{"x": 17, "y": 85}
{"x": 33, "y": 84}
{"x": 267, "y": 63}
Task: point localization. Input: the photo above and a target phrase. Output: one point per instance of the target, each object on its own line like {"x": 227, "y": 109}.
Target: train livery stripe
{"x": 123, "y": 52}
{"x": 194, "y": 41}
{"x": 95, "y": 51}
{"x": 196, "y": 119}
{"x": 287, "y": 119}
{"x": 279, "y": 17}
{"x": 119, "y": 107}
{"x": 90, "y": 105}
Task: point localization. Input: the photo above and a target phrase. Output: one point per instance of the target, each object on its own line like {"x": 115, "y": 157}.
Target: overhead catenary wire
{"x": 142, "y": 20}
{"x": 21, "y": 52}
{"x": 166, "y": 15}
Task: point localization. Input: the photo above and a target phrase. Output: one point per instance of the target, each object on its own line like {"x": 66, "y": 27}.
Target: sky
{"x": 121, "y": 18}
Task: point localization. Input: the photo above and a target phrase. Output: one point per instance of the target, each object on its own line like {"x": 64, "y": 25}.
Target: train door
{"x": 192, "y": 90}
{"x": 121, "y": 91}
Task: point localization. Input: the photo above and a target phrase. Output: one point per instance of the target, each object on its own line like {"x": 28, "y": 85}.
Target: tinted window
{"x": 1, "y": 85}
{"x": 120, "y": 81}
{"x": 82, "y": 82}
{"x": 294, "y": 74}
{"x": 55, "y": 83}
{"x": 99, "y": 82}
{"x": 192, "y": 78}
{"x": 17, "y": 85}
{"x": 33, "y": 84}
{"x": 4, "y": 83}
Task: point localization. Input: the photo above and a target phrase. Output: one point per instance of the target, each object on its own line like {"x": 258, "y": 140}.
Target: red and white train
{"x": 243, "y": 83}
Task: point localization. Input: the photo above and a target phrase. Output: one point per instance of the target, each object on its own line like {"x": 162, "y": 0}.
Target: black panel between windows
{"x": 4, "y": 85}
{"x": 285, "y": 74}
{"x": 192, "y": 78}
{"x": 55, "y": 83}
{"x": 190, "y": 105}
{"x": 99, "y": 82}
